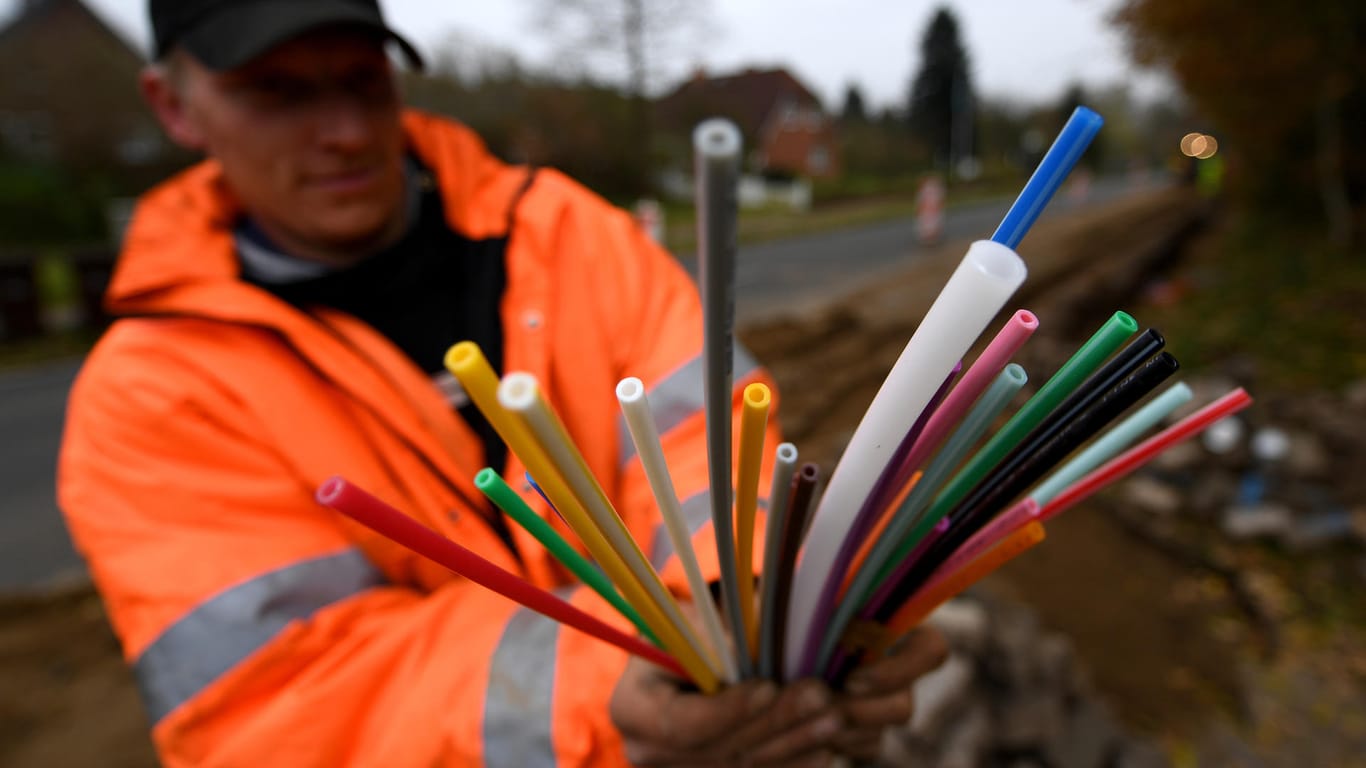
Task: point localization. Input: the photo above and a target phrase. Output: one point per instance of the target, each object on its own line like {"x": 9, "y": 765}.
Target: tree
{"x": 634, "y": 37}
{"x": 854, "y": 111}
{"x": 940, "y": 106}
{"x": 528, "y": 117}
{"x": 1076, "y": 96}
{"x": 1283, "y": 84}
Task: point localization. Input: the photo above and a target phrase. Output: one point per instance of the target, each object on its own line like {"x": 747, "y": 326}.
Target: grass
{"x": 26, "y": 352}
{"x": 773, "y": 223}
{"x": 756, "y": 226}
{"x": 1274, "y": 299}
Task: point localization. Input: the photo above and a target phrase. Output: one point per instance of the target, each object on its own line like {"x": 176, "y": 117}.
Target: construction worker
{"x": 284, "y": 309}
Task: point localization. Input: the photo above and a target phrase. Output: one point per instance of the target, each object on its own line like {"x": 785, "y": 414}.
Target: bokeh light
{"x": 1201, "y": 146}
{"x": 1186, "y": 142}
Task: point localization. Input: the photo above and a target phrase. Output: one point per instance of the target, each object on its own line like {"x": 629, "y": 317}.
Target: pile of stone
{"x": 1012, "y": 695}
{"x": 1287, "y": 471}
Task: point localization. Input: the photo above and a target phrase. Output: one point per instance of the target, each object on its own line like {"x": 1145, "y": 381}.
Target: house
{"x": 783, "y": 123}
{"x": 75, "y": 136}
{"x": 69, "y": 96}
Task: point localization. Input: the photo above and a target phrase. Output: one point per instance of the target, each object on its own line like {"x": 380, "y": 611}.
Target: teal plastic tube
{"x": 905, "y": 520}
{"x": 1083, "y": 362}
{"x": 1115, "y": 439}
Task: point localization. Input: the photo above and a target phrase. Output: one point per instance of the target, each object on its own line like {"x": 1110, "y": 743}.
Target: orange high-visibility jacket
{"x": 264, "y": 629}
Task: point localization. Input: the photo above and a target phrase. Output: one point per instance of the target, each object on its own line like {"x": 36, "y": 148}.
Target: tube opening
{"x": 757, "y": 394}
{"x": 461, "y": 353}
{"x": 716, "y": 137}
{"x": 330, "y": 490}
{"x": 517, "y": 391}
{"x": 1016, "y": 373}
{"x": 630, "y": 389}
{"x": 997, "y": 261}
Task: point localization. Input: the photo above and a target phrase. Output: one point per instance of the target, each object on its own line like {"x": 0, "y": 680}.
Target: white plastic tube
{"x": 635, "y": 406}
{"x": 986, "y": 278}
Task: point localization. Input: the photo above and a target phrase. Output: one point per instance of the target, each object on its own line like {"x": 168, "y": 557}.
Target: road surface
{"x": 34, "y": 547}
{"x": 783, "y": 276}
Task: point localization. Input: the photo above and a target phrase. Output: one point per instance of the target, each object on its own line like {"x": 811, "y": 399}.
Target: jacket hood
{"x": 179, "y": 245}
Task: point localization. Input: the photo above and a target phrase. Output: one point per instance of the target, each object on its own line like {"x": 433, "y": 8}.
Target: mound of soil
{"x": 66, "y": 697}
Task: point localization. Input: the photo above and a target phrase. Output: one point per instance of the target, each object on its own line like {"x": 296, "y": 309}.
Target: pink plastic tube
{"x": 984, "y": 370}
{"x": 989, "y": 536}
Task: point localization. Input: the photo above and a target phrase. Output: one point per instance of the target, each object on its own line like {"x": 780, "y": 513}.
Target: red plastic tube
{"x": 361, "y": 506}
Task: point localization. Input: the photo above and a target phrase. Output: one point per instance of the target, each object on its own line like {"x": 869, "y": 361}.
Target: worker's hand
{"x": 749, "y": 724}
{"x": 878, "y": 693}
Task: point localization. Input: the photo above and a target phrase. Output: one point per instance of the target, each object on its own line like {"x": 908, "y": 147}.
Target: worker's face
{"x": 308, "y": 136}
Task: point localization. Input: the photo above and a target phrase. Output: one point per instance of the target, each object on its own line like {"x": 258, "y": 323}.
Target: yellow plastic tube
{"x": 467, "y": 363}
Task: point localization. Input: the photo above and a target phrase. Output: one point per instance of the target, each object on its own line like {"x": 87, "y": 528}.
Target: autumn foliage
{"x": 1284, "y": 85}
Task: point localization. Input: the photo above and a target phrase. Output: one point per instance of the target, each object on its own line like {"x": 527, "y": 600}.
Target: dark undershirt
{"x": 431, "y": 289}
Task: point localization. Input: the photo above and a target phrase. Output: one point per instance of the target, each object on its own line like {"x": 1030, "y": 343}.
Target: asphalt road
{"x": 778, "y": 276}
{"x": 784, "y": 276}
{"x": 34, "y": 546}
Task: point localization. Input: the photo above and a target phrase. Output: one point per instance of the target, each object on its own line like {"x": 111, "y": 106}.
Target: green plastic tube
{"x": 493, "y": 486}
{"x": 1103, "y": 343}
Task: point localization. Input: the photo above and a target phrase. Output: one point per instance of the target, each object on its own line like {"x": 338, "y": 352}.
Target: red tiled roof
{"x": 746, "y": 98}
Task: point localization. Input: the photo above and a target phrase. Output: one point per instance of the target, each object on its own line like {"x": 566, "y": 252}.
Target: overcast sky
{"x": 1028, "y": 50}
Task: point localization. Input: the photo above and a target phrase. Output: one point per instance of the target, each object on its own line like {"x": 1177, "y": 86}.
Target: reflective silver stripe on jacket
{"x": 230, "y": 626}
{"x": 521, "y": 691}
{"x": 696, "y": 513}
{"x": 679, "y": 396}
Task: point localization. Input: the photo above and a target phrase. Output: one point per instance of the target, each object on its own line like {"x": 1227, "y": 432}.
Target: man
{"x": 285, "y": 306}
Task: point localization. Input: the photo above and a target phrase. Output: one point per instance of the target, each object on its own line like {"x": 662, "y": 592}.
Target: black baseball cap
{"x": 225, "y": 34}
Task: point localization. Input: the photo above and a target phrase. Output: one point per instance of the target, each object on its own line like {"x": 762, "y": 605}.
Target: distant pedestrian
{"x": 929, "y": 210}
{"x": 1079, "y": 188}
{"x": 650, "y": 216}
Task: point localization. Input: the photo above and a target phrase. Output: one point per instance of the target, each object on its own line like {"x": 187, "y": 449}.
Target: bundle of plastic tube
{"x": 926, "y": 499}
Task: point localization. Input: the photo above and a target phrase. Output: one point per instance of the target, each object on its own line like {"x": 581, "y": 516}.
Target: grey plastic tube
{"x": 716, "y": 163}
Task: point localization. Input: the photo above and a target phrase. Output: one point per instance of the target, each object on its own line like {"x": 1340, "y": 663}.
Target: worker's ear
{"x": 163, "y": 87}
